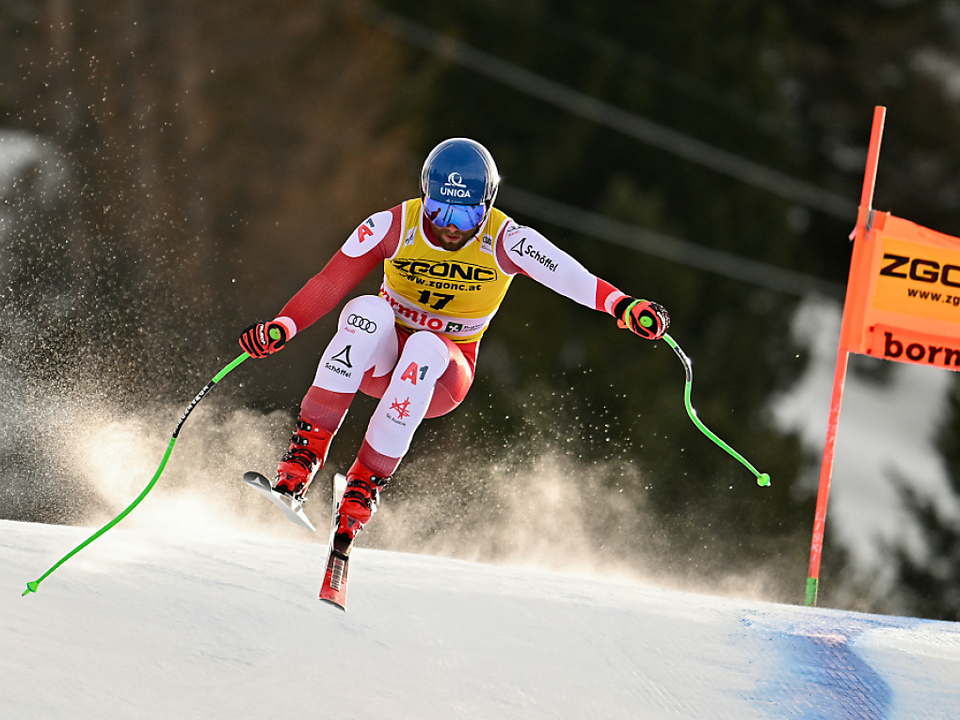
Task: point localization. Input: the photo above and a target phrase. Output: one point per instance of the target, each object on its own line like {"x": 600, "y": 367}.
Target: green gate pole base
{"x": 811, "y": 598}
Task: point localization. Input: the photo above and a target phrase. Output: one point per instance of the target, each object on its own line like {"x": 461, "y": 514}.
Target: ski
{"x": 334, "y": 588}
{"x": 293, "y": 509}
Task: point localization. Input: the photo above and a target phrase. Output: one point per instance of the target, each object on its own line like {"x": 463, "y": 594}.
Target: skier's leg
{"x": 365, "y": 340}
{"x": 430, "y": 366}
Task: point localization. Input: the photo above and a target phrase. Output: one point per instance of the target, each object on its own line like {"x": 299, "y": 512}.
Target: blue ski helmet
{"x": 459, "y": 183}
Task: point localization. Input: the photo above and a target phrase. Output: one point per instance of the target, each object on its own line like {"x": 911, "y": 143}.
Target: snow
{"x": 214, "y": 620}
{"x": 20, "y": 151}
{"x": 187, "y": 612}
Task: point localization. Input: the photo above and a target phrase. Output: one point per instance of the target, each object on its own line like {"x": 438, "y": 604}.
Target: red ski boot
{"x": 308, "y": 450}
{"x": 360, "y": 500}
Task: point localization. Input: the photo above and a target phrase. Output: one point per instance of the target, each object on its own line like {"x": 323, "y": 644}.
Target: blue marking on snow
{"x": 819, "y": 674}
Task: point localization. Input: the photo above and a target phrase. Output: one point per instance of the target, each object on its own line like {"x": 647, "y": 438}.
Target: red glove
{"x": 262, "y": 339}
{"x": 647, "y": 319}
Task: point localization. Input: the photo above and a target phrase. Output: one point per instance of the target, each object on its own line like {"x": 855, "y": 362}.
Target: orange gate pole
{"x": 854, "y": 294}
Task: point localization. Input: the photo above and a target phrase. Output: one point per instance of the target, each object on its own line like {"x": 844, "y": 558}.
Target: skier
{"x": 448, "y": 259}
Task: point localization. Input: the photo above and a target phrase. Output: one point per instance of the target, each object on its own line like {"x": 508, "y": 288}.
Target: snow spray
{"x": 763, "y": 479}
{"x": 32, "y": 586}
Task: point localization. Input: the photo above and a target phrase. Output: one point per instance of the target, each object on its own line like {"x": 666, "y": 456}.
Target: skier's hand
{"x": 262, "y": 339}
{"x": 647, "y": 319}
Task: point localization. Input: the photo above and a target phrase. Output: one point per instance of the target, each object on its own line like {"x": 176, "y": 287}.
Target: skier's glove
{"x": 262, "y": 339}
{"x": 647, "y": 319}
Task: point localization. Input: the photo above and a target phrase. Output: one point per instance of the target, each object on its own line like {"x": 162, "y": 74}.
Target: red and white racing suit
{"x": 415, "y": 344}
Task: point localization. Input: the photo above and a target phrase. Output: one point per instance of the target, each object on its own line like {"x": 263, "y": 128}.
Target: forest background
{"x": 185, "y": 167}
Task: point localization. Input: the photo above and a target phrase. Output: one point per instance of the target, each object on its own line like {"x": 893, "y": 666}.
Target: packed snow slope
{"x": 228, "y": 626}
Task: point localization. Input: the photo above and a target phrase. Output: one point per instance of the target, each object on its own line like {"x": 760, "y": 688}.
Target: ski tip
{"x": 293, "y": 509}
{"x": 334, "y": 603}
{"x": 304, "y": 521}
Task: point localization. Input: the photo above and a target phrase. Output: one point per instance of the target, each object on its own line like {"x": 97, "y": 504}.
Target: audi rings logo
{"x": 362, "y": 323}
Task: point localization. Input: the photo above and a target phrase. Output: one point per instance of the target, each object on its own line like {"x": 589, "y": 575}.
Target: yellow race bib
{"x": 454, "y": 293}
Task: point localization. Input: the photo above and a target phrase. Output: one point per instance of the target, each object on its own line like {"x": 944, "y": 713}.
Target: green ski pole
{"x": 763, "y": 480}
{"x": 32, "y": 586}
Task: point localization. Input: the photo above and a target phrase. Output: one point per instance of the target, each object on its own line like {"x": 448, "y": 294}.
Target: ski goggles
{"x": 463, "y": 217}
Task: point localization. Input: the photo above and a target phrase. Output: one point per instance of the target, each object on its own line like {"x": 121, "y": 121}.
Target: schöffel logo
{"x": 524, "y": 248}
{"x": 454, "y": 186}
{"x": 344, "y": 365}
{"x": 445, "y": 270}
{"x": 362, "y": 323}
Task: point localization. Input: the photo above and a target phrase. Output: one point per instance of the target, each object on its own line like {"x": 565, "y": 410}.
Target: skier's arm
{"x": 374, "y": 239}
{"x": 524, "y": 250}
